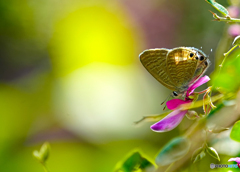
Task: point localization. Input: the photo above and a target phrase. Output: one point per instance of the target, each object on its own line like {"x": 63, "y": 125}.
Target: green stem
{"x": 169, "y": 167}
{"x": 199, "y": 103}
{"x": 227, "y": 53}
{"x": 195, "y": 127}
{"x": 206, "y": 136}
{"x": 225, "y": 56}
{"x": 45, "y": 167}
{"x": 225, "y": 19}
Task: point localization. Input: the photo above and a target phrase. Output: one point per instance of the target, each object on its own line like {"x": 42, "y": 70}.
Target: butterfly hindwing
{"x": 154, "y": 60}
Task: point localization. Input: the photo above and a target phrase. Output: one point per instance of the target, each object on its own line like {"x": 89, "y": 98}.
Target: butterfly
{"x": 177, "y": 68}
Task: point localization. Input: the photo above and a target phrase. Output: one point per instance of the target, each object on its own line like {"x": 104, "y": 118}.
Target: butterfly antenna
{"x": 164, "y": 107}
{"x": 210, "y": 52}
{"x": 165, "y": 100}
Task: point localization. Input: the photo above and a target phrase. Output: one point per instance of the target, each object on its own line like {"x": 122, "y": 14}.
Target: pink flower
{"x": 234, "y": 30}
{"x": 175, "y": 117}
{"x": 233, "y": 11}
{"x": 237, "y": 159}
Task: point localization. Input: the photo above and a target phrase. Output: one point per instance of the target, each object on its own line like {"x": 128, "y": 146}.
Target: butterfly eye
{"x": 191, "y": 54}
{"x": 201, "y": 58}
{"x": 175, "y": 93}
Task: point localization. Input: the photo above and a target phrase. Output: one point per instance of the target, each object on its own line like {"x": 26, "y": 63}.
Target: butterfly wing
{"x": 181, "y": 67}
{"x": 202, "y": 66}
{"x": 154, "y": 60}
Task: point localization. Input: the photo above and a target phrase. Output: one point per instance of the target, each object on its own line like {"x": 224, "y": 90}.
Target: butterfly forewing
{"x": 154, "y": 60}
{"x": 181, "y": 67}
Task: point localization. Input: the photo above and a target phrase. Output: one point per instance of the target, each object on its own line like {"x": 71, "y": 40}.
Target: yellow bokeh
{"x": 91, "y": 34}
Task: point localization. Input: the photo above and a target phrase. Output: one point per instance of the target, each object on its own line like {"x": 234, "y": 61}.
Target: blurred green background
{"x": 70, "y": 75}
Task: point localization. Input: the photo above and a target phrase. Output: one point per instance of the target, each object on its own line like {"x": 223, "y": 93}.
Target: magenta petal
{"x": 235, "y": 159}
{"x": 198, "y": 83}
{"x": 169, "y": 122}
{"x": 174, "y": 103}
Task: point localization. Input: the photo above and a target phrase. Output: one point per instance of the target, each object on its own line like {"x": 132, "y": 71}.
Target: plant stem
{"x": 225, "y": 19}
{"x": 167, "y": 170}
{"x": 45, "y": 167}
{"x": 199, "y": 103}
{"x": 196, "y": 137}
{"x": 226, "y": 54}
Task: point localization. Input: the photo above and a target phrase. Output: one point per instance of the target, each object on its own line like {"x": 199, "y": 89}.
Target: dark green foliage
{"x": 235, "y": 133}
{"x": 226, "y": 80}
{"x": 135, "y": 162}
{"x": 173, "y": 151}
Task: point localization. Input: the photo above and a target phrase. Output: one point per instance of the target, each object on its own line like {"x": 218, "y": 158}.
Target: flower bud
{"x": 233, "y": 11}
{"x": 191, "y": 114}
{"x": 234, "y": 30}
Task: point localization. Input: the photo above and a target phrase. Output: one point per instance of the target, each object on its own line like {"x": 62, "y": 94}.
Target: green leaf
{"x": 36, "y": 155}
{"x": 198, "y": 154}
{"x": 227, "y": 80}
{"x": 211, "y": 151}
{"x": 44, "y": 151}
{"x": 218, "y": 129}
{"x": 43, "y": 154}
{"x": 219, "y": 7}
{"x": 134, "y": 162}
{"x": 235, "y": 133}
{"x": 173, "y": 151}
{"x": 145, "y": 164}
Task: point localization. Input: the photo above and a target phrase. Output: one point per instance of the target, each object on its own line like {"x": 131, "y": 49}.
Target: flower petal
{"x": 169, "y": 122}
{"x": 231, "y": 159}
{"x": 174, "y": 103}
{"x": 237, "y": 159}
{"x": 198, "y": 83}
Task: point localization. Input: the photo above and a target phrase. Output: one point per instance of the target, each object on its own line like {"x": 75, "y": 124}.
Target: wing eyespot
{"x": 201, "y": 58}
